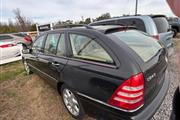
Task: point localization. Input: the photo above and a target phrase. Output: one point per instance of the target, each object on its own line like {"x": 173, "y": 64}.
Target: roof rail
{"x": 88, "y": 27}
{"x": 68, "y": 26}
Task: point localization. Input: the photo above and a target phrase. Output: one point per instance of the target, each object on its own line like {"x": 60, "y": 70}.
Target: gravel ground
{"x": 165, "y": 110}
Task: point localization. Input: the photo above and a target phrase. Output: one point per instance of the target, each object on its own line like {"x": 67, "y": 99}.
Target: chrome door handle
{"x": 55, "y": 64}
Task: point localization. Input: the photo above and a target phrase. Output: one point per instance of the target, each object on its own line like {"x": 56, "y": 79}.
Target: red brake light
{"x": 156, "y": 37}
{"x": 130, "y": 94}
{"x": 27, "y": 38}
{"x": 6, "y": 45}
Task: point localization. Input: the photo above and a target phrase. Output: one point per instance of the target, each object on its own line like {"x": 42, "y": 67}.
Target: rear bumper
{"x": 100, "y": 110}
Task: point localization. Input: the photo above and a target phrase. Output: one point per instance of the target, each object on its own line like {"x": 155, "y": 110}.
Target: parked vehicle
{"x": 175, "y": 24}
{"x": 176, "y": 98}
{"x": 18, "y": 38}
{"x": 9, "y": 52}
{"x": 155, "y": 25}
{"x": 176, "y": 105}
{"x": 110, "y": 72}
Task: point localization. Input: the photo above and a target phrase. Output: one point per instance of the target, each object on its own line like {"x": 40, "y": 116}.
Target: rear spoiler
{"x": 121, "y": 28}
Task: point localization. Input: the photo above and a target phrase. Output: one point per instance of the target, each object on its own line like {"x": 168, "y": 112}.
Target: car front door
{"x": 53, "y": 60}
{"x": 36, "y": 49}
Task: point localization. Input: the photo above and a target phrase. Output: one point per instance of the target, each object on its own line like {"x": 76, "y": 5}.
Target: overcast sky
{"x": 45, "y": 11}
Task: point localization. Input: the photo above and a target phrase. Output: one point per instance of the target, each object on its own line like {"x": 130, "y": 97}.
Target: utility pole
{"x": 136, "y": 8}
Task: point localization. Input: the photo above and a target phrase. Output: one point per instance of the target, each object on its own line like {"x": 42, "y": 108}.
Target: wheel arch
{"x": 176, "y": 28}
{"x": 59, "y": 85}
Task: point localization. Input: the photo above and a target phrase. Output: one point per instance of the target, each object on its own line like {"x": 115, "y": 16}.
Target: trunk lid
{"x": 154, "y": 74}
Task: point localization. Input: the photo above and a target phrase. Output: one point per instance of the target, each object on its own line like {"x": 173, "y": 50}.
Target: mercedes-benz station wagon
{"x": 108, "y": 72}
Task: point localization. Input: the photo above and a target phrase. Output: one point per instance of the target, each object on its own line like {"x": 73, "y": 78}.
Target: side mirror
{"x": 26, "y": 51}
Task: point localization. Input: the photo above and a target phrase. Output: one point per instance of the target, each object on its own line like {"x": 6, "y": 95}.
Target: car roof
{"x": 144, "y": 17}
{"x": 101, "y": 28}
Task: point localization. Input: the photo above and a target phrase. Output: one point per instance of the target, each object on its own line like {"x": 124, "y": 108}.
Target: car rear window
{"x": 138, "y": 23}
{"x": 5, "y": 37}
{"x": 146, "y": 47}
{"x": 161, "y": 24}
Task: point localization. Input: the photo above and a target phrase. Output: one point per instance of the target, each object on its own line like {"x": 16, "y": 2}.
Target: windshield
{"x": 146, "y": 47}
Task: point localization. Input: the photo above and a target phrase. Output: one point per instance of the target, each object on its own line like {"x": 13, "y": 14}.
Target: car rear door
{"x": 91, "y": 68}
{"x": 53, "y": 60}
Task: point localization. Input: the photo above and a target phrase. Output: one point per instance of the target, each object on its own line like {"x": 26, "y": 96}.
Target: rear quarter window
{"x": 87, "y": 48}
{"x": 161, "y": 24}
{"x": 146, "y": 47}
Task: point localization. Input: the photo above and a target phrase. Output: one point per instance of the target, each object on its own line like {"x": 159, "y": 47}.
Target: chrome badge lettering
{"x": 151, "y": 77}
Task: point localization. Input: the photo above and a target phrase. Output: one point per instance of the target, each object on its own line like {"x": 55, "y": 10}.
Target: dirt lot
{"x": 25, "y": 97}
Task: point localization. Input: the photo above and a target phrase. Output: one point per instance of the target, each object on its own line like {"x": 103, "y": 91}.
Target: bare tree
{"x": 22, "y": 21}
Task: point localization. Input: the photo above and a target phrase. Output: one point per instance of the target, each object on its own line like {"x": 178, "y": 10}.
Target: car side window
{"x": 51, "y": 43}
{"x": 86, "y": 48}
{"x": 5, "y": 37}
{"x": 38, "y": 44}
{"x": 61, "y": 46}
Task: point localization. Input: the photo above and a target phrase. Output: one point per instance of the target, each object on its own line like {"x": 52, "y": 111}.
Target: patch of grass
{"x": 12, "y": 64}
{"x": 10, "y": 71}
{"x": 11, "y": 94}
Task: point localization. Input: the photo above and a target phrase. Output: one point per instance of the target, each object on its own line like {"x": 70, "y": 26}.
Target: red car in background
{"x": 17, "y": 38}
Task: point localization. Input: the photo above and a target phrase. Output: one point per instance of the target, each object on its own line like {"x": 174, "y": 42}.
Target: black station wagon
{"x": 108, "y": 72}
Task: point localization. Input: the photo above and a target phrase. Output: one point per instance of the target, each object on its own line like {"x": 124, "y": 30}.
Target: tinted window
{"x": 5, "y": 37}
{"x": 19, "y": 35}
{"x": 86, "y": 48}
{"x": 51, "y": 43}
{"x": 161, "y": 24}
{"x": 146, "y": 47}
{"x": 61, "y": 46}
{"x": 38, "y": 44}
{"x": 138, "y": 23}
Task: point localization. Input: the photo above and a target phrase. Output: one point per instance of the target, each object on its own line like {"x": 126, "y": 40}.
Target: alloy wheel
{"x": 71, "y": 102}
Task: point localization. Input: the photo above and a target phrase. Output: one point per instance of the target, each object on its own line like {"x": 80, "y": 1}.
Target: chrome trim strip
{"x": 108, "y": 104}
{"x": 94, "y": 63}
{"x": 43, "y": 72}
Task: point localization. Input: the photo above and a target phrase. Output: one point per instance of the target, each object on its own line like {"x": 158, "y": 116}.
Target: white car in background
{"x": 9, "y": 51}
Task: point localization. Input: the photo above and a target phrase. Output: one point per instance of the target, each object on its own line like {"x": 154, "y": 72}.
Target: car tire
{"x": 72, "y": 103}
{"x": 27, "y": 68}
{"x": 175, "y": 32}
{"x": 176, "y": 106}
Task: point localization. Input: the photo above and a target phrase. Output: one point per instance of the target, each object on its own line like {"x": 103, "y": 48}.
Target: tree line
{"x": 24, "y": 24}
